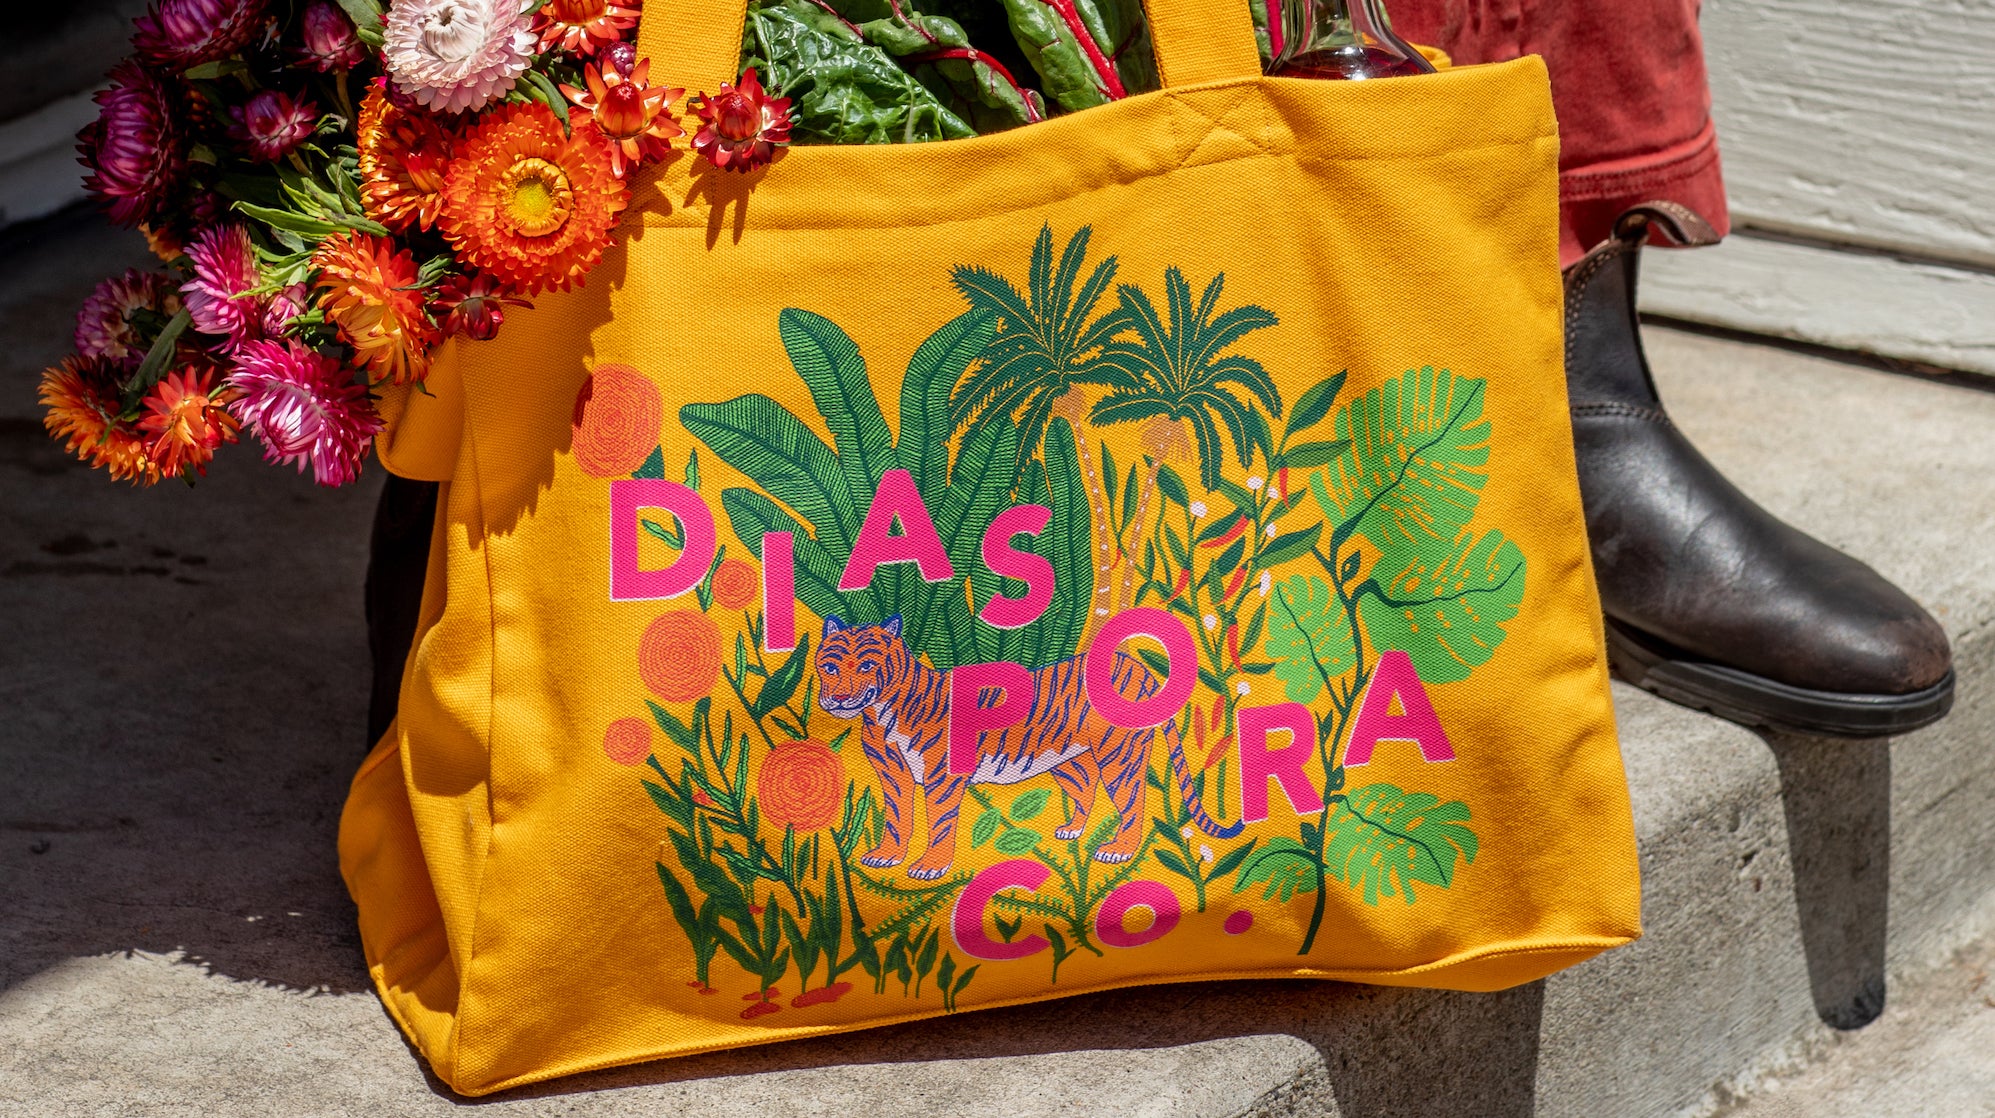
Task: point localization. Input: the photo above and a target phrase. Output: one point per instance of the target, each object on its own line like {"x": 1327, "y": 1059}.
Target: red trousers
{"x": 1628, "y": 83}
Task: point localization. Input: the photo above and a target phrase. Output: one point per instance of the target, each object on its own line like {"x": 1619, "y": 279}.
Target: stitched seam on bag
{"x": 1597, "y": 944}
{"x": 1216, "y": 124}
{"x": 696, "y": 218}
{"x": 457, "y": 1030}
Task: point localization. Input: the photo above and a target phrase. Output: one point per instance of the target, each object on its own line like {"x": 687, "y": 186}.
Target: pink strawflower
{"x": 304, "y": 406}
{"x": 328, "y": 42}
{"x": 176, "y": 34}
{"x": 271, "y": 124}
{"x": 103, "y": 324}
{"x": 283, "y": 307}
{"x": 219, "y": 296}
{"x": 134, "y": 147}
{"x": 455, "y": 55}
{"x": 741, "y": 126}
{"x": 473, "y": 306}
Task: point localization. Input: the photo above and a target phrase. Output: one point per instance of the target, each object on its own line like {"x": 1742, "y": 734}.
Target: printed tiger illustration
{"x": 867, "y": 671}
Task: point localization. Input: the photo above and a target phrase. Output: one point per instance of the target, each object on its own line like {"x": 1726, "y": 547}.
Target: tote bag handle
{"x": 698, "y": 42}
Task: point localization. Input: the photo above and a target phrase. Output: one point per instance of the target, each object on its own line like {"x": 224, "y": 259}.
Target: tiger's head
{"x": 856, "y": 664}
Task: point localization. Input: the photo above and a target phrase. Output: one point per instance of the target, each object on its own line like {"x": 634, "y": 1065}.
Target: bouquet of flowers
{"x": 336, "y": 189}
{"x": 335, "y": 186}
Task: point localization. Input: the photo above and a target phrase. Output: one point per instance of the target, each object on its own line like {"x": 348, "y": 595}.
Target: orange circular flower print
{"x": 617, "y": 414}
{"x": 628, "y": 741}
{"x": 679, "y": 656}
{"x": 801, "y": 785}
{"x": 735, "y": 583}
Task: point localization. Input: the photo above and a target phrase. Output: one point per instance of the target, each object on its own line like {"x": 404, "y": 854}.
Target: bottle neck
{"x": 1305, "y": 35}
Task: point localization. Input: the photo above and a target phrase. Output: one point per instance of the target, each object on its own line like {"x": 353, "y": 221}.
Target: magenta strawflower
{"x": 134, "y": 147}
{"x": 473, "y": 306}
{"x": 272, "y": 123}
{"x": 741, "y": 126}
{"x": 219, "y": 296}
{"x": 283, "y": 307}
{"x": 176, "y": 34}
{"x": 103, "y": 324}
{"x": 304, "y": 406}
{"x": 328, "y": 43}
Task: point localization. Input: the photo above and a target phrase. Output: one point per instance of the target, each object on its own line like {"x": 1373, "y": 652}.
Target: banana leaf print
{"x": 820, "y": 494}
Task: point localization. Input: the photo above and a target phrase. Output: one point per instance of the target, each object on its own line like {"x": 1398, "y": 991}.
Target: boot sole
{"x": 1764, "y": 704}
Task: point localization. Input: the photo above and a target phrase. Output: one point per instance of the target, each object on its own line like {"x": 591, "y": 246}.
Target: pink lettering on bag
{"x": 1098, "y": 674}
{"x": 627, "y": 497}
{"x": 968, "y": 718}
{"x": 917, "y": 543}
{"x": 1035, "y": 571}
{"x": 779, "y": 592}
{"x": 1395, "y": 677}
{"x": 1141, "y": 893}
{"x": 968, "y": 919}
{"x": 1259, "y": 764}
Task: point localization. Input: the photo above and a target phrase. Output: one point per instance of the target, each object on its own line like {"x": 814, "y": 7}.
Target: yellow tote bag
{"x": 1138, "y": 547}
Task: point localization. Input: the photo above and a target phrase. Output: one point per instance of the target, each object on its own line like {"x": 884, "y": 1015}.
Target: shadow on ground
{"x": 184, "y": 676}
{"x": 1837, "y": 799}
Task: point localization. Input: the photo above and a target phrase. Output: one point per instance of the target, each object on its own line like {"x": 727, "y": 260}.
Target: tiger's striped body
{"x": 867, "y": 672}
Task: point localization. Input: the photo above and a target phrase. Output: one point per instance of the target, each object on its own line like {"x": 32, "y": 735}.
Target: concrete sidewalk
{"x": 185, "y": 679}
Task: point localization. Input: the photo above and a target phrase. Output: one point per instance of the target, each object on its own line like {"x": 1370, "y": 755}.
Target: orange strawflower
{"x": 583, "y": 26}
{"x": 403, "y": 157}
{"x": 81, "y": 396}
{"x": 188, "y": 421}
{"x": 629, "y": 113}
{"x": 369, "y": 291}
{"x": 530, "y": 203}
{"x": 163, "y": 243}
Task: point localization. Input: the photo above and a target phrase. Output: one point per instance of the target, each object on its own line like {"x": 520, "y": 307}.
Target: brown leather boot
{"x": 1711, "y": 602}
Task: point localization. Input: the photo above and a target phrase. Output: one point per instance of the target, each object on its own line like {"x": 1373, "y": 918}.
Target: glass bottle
{"x": 1347, "y": 39}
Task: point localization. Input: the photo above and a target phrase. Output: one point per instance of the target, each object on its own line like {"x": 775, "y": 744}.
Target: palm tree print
{"x": 1045, "y": 355}
{"x": 1178, "y": 371}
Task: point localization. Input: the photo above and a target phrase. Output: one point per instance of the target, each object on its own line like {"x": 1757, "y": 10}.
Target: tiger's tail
{"x": 1182, "y": 771}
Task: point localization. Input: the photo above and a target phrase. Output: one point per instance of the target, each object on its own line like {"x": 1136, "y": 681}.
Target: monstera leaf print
{"x": 1381, "y": 839}
{"x": 1309, "y": 636}
{"x": 1409, "y": 483}
{"x": 1416, "y": 464}
{"x": 1448, "y": 616}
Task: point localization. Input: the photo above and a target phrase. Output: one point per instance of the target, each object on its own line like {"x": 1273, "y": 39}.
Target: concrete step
{"x": 174, "y": 938}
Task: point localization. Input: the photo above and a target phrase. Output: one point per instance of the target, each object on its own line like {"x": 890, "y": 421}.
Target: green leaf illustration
{"x": 1287, "y": 546}
{"x": 1447, "y": 615}
{"x": 828, "y": 360}
{"x": 1028, "y": 806}
{"x": 1309, "y": 636}
{"x": 1310, "y": 455}
{"x": 782, "y": 683}
{"x": 986, "y": 826}
{"x": 654, "y": 464}
{"x": 1017, "y": 841}
{"x": 1283, "y": 867}
{"x": 1416, "y": 464}
{"x": 1381, "y": 839}
{"x": 759, "y": 437}
{"x": 926, "y": 421}
{"x": 1316, "y": 402}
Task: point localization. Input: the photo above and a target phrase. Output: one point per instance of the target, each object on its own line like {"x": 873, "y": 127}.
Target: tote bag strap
{"x": 698, "y": 42}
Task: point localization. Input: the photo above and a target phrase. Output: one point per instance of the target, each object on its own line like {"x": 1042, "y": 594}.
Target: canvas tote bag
{"x": 1138, "y": 547}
